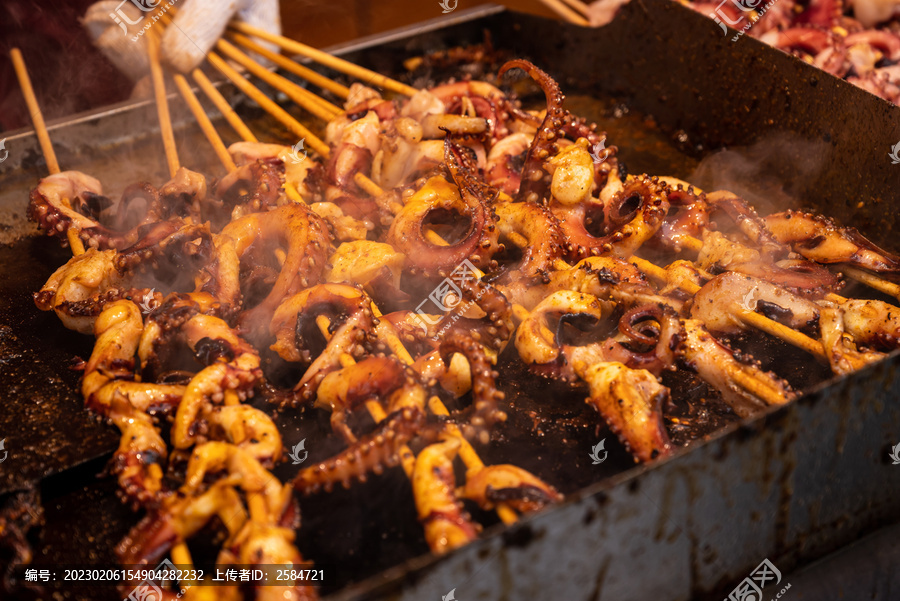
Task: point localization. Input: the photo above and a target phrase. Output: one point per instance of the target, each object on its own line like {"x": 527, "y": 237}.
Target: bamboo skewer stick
{"x": 317, "y": 106}
{"x": 293, "y": 66}
{"x": 34, "y": 109}
{"x": 872, "y": 281}
{"x": 43, "y": 136}
{"x": 217, "y": 99}
{"x": 162, "y": 104}
{"x": 269, "y": 105}
{"x": 565, "y": 12}
{"x": 206, "y": 125}
{"x": 326, "y": 59}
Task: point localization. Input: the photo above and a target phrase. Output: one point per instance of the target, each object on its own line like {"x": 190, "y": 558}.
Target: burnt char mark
{"x": 775, "y": 312}
{"x": 209, "y": 350}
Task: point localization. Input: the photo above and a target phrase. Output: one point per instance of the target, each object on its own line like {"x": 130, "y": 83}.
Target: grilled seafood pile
{"x": 856, "y": 41}
{"x": 496, "y": 230}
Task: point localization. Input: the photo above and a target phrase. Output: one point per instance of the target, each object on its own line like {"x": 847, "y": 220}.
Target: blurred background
{"x": 70, "y": 75}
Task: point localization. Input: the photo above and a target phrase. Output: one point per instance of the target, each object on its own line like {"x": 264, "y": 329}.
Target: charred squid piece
{"x": 51, "y": 207}
{"x": 535, "y": 181}
{"x": 307, "y": 240}
{"x": 630, "y": 218}
{"x": 372, "y": 453}
{"x": 247, "y": 428}
{"x": 630, "y": 402}
{"x": 169, "y": 247}
{"x": 647, "y": 338}
{"x": 342, "y": 391}
{"x": 841, "y": 349}
{"x": 873, "y": 323}
{"x": 716, "y": 364}
{"x": 510, "y": 485}
{"x": 447, "y": 526}
{"x": 714, "y": 304}
{"x": 799, "y": 276}
{"x": 483, "y": 413}
{"x": 295, "y": 171}
{"x": 294, "y": 326}
{"x": 232, "y": 367}
{"x": 817, "y": 238}
{"x": 78, "y": 291}
{"x": 466, "y": 198}
{"x": 250, "y": 188}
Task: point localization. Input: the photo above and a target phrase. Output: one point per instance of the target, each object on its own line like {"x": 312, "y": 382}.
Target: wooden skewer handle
{"x": 34, "y": 109}
{"x": 339, "y": 64}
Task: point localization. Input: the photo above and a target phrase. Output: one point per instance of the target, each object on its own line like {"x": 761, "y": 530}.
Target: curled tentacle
{"x": 296, "y": 227}
{"x": 477, "y": 243}
{"x": 371, "y": 453}
{"x": 545, "y": 237}
{"x": 485, "y": 394}
{"x": 447, "y": 526}
{"x": 343, "y": 390}
{"x": 494, "y": 329}
{"x": 141, "y": 450}
{"x": 622, "y": 225}
{"x": 232, "y": 366}
{"x": 535, "y": 184}
{"x": 294, "y": 326}
{"x": 251, "y": 188}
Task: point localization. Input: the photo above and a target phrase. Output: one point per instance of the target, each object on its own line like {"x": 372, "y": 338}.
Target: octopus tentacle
{"x": 477, "y": 244}
{"x": 629, "y": 219}
{"x": 447, "y": 526}
{"x": 535, "y": 180}
{"x": 371, "y": 453}
{"x": 294, "y": 326}
{"x": 484, "y": 412}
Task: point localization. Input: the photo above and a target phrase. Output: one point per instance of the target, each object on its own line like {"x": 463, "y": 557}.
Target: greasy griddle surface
{"x": 43, "y": 419}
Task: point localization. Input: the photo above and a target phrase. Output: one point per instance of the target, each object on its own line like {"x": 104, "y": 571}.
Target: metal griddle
{"x": 791, "y": 485}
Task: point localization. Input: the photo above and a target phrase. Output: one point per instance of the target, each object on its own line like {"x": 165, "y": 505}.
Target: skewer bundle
{"x": 385, "y": 168}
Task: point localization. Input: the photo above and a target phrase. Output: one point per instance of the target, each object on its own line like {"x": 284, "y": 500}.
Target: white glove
{"x": 119, "y": 29}
{"x": 200, "y": 24}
